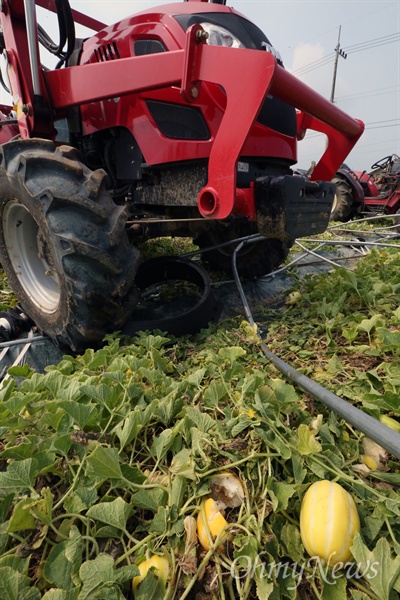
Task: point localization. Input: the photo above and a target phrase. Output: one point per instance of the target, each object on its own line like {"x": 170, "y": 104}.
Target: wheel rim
{"x": 27, "y": 252}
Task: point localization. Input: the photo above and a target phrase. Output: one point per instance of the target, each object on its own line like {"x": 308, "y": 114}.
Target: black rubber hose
{"x": 374, "y": 429}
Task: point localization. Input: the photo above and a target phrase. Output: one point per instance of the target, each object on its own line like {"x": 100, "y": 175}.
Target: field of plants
{"x": 107, "y": 459}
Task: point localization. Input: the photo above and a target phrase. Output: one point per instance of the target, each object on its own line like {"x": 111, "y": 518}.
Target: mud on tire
{"x": 63, "y": 243}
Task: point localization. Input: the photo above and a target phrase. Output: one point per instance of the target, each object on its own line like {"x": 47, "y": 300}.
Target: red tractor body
{"x": 188, "y": 115}
{"x": 376, "y": 192}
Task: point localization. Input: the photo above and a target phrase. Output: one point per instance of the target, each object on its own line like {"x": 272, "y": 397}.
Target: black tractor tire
{"x": 63, "y": 244}
{"x": 254, "y": 260}
{"x": 343, "y": 202}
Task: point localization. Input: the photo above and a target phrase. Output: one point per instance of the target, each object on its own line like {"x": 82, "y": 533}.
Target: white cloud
{"x": 306, "y": 53}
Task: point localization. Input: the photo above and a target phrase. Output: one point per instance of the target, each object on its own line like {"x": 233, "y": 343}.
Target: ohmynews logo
{"x": 244, "y": 566}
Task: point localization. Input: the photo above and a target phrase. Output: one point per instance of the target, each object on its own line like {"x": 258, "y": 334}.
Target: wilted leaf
{"x": 307, "y": 444}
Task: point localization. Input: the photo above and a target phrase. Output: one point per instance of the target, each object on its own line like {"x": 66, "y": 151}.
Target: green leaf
{"x": 378, "y": 566}
{"x": 64, "y": 560}
{"x": 12, "y": 584}
{"x": 21, "y": 517}
{"x": 264, "y": 586}
{"x": 299, "y": 472}
{"x": 201, "y": 420}
{"x": 101, "y": 581}
{"x": 103, "y": 394}
{"x": 307, "y": 443}
{"x": 244, "y": 423}
{"x": 196, "y": 378}
{"x": 214, "y": 393}
{"x": 132, "y": 474}
{"x": 94, "y": 574}
{"x": 231, "y": 353}
{"x": 335, "y": 588}
{"x": 178, "y": 489}
{"x": 7, "y": 389}
{"x": 373, "y": 524}
{"x": 82, "y": 414}
{"x": 290, "y": 536}
{"x": 280, "y": 493}
{"x": 389, "y": 339}
{"x": 129, "y": 428}
{"x": 104, "y": 463}
{"x": 20, "y": 475}
{"x": 169, "y": 408}
{"x": 114, "y": 513}
{"x": 5, "y": 505}
{"x": 183, "y": 464}
{"x": 57, "y": 594}
{"x": 357, "y": 595}
{"x": 20, "y": 371}
{"x": 82, "y": 499}
{"x": 126, "y": 574}
{"x": 284, "y": 392}
{"x": 368, "y": 325}
{"x": 160, "y": 522}
{"x": 151, "y": 588}
{"x": 29, "y": 593}
{"x": 150, "y": 499}
{"x": 162, "y": 443}
{"x": 274, "y": 441}
{"x": 19, "y": 452}
{"x": 15, "y": 562}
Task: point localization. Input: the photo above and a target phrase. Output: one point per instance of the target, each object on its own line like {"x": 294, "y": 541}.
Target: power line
{"x": 386, "y": 39}
{"x": 370, "y": 93}
{"x": 316, "y": 64}
{"x": 367, "y": 45}
{"x": 367, "y": 126}
{"x": 384, "y": 126}
{"x": 385, "y": 121}
{"x": 374, "y": 45}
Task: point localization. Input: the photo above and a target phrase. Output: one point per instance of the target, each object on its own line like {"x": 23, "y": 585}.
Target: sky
{"x": 306, "y": 33}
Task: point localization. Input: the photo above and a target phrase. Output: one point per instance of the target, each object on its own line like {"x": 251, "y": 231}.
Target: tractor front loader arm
{"x": 247, "y": 76}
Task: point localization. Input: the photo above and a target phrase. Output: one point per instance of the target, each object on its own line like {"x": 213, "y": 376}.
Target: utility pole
{"x": 339, "y": 52}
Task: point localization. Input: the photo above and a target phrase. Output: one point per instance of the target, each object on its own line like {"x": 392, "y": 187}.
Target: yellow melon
{"x": 160, "y": 566}
{"x": 328, "y": 522}
{"x": 211, "y": 524}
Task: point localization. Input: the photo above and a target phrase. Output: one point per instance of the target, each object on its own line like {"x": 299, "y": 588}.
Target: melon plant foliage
{"x": 104, "y": 456}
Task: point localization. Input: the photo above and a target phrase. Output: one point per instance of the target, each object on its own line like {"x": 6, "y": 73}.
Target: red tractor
{"x": 373, "y": 193}
{"x": 177, "y": 121}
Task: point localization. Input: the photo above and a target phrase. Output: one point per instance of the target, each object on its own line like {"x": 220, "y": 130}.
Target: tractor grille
{"x": 106, "y": 52}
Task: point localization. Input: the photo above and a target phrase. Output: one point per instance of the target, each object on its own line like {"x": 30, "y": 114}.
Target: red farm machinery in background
{"x": 178, "y": 121}
{"x": 368, "y": 193}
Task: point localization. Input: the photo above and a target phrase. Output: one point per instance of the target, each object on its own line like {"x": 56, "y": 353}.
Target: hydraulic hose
{"x": 374, "y": 429}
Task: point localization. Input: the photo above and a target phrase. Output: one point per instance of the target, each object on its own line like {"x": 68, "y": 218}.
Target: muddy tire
{"x": 343, "y": 203}
{"x": 63, "y": 244}
{"x": 252, "y": 261}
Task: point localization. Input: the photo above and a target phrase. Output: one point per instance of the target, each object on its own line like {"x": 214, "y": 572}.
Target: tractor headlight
{"x": 219, "y": 36}
{"x": 272, "y": 51}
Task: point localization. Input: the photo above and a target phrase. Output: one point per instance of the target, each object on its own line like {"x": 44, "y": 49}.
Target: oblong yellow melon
{"x": 328, "y": 522}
